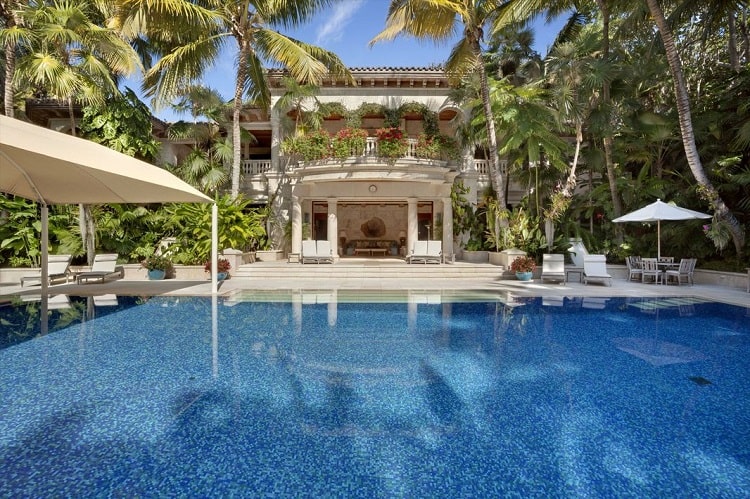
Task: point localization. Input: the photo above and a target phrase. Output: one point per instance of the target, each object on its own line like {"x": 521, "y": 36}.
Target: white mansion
{"x": 363, "y": 204}
{"x": 365, "y": 201}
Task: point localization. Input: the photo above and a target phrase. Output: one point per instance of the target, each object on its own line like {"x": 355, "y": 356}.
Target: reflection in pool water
{"x": 334, "y": 393}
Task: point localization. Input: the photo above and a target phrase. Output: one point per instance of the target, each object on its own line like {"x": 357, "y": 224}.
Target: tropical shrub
{"x": 427, "y": 147}
{"x": 312, "y": 146}
{"x": 240, "y": 227}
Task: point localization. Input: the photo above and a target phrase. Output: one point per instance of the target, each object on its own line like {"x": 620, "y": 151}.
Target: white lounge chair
{"x": 316, "y": 251}
{"x": 58, "y": 268}
{"x": 553, "y": 267}
{"x": 104, "y": 267}
{"x": 426, "y": 252}
{"x": 434, "y": 252}
{"x": 309, "y": 252}
{"x": 595, "y": 269}
{"x": 418, "y": 252}
{"x": 324, "y": 251}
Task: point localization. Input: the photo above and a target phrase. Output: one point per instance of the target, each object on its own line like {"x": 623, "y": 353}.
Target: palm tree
{"x": 439, "y": 20}
{"x": 707, "y": 189}
{"x": 74, "y": 59}
{"x": 195, "y": 32}
{"x": 204, "y": 166}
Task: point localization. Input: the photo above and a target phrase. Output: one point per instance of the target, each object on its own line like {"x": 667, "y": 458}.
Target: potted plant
{"x": 222, "y": 268}
{"x": 158, "y": 267}
{"x": 524, "y": 267}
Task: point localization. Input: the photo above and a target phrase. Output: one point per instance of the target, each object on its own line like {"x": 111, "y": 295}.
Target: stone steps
{"x": 376, "y": 268}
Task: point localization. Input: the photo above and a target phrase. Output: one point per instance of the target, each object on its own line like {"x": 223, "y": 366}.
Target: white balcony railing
{"x": 251, "y": 167}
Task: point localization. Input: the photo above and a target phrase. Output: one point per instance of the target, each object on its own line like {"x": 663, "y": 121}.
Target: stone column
{"x": 296, "y": 225}
{"x": 411, "y": 232}
{"x": 333, "y": 226}
{"x": 447, "y": 227}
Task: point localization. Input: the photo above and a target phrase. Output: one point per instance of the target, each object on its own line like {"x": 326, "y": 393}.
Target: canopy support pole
{"x": 214, "y": 248}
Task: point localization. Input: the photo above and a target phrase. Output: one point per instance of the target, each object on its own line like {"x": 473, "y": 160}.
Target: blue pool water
{"x": 329, "y": 395}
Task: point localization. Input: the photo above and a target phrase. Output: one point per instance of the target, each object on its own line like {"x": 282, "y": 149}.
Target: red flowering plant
{"x": 312, "y": 146}
{"x": 427, "y": 147}
{"x": 349, "y": 142}
{"x": 523, "y": 264}
{"x": 222, "y": 266}
{"x": 391, "y": 143}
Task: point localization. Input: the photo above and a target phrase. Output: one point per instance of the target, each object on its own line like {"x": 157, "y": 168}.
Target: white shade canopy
{"x": 54, "y": 168}
{"x": 658, "y": 211}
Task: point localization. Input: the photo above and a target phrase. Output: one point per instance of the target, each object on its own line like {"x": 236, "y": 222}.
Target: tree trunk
{"x": 734, "y": 56}
{"x": 607, "y": 139}
{"x": 497, "y": 175}
{"x": 236, "y": 109}
{"x": 707, "y": 190}
{"x": 10, "y": 69}
{"x": 11, "y": 19}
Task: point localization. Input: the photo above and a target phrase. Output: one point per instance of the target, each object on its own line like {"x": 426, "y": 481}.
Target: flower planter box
{"x": 269, "y": 255}
{"x": 475, "y": 256}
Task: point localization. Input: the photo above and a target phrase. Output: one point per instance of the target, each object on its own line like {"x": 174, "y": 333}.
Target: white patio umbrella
{"x": 658, "y": 211}
{"x": 54, "y": 168}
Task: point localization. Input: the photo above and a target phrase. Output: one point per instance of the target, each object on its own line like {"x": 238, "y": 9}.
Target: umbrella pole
{"x": 45, "y": 263}
{"x": 214, "y": 248}
{"x": 658, "y": 239}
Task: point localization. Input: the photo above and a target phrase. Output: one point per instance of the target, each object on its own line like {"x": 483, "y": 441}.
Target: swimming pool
{"x": 336, "y": 394}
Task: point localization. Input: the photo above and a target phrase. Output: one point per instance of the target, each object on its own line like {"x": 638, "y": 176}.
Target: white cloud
{"x": 333, "y": 29}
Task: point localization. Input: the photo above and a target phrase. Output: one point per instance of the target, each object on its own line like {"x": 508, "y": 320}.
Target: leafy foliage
{"x": 122, "y": 124}
{"x": 240, "y": 227}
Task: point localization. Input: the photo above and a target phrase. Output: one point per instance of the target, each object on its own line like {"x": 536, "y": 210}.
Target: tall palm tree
{"x": 708, "y": 191}
{"x": 439, "y": 20}
{"x": 194, "y": 32}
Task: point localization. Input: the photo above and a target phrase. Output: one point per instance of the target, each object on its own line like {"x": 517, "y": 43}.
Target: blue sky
{"x": 346, "y": 30}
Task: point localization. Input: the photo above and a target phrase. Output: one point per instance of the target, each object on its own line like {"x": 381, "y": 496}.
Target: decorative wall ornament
{"x": 374, "y": 227}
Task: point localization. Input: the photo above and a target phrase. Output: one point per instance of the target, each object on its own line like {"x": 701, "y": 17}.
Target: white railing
{"x": 371, "y": 148}
{"x": 251, "y": 167}
{"x": 482, "y": 166}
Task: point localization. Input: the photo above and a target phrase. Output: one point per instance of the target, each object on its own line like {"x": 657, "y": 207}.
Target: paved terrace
{"x": 347, "y": 275}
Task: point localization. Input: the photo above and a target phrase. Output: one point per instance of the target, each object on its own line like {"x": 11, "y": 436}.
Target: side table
{"x": 573, "y": 270}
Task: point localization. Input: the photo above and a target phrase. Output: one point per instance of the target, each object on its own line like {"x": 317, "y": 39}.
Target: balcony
{"x": 255, "y": 167}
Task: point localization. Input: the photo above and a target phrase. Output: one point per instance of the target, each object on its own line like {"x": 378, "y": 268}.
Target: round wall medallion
{"x": 373, "y": 188}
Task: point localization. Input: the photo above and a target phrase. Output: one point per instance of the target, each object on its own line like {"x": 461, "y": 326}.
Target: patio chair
{"x": 58, "y": 268}
{"x": 595, "y": 269}
{"x": 650, "y": 270}
{"x": 553, "y": 267}
{"x": 684, "y": 271}
{"x": 634, "y": 268}
{"x": 418, "y": 252}
{"x": 104, "y": 267}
